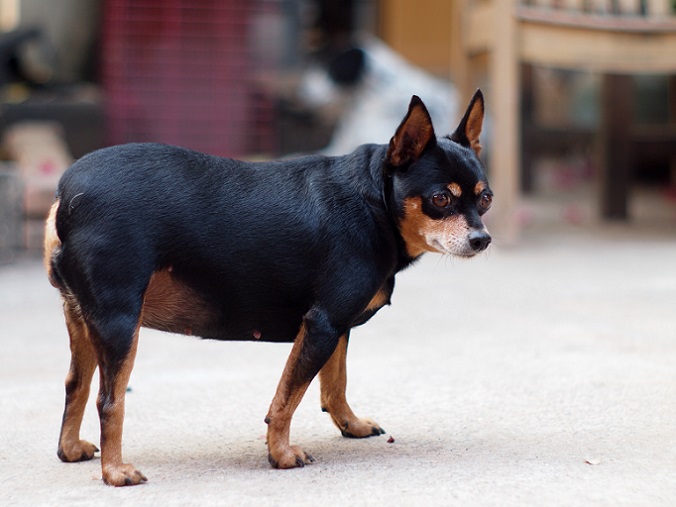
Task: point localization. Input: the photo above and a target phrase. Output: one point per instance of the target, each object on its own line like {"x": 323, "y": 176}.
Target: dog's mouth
{"x": 465, "y": 247}
{"x": 453, "y": 249}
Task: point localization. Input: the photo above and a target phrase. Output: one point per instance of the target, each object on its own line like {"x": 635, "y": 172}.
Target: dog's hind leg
{"x": 78, "y": 382}
{"x": 114, "y": 352}
{"x": 333, "y": 382}
{"x": 116, "y": 349}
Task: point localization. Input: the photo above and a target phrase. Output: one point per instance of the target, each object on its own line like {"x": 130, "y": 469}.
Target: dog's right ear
{"x": 468, "y": 132}
{"x": 412, "y": 136}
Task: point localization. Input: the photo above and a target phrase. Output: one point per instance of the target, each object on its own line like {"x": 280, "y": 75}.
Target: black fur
{"x": 259, "y": 242}
{"x": 299, "y": 250}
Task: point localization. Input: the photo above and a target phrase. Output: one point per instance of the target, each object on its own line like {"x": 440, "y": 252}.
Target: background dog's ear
{"x": 469, "y": 130}
{"x": 412, "y": 136}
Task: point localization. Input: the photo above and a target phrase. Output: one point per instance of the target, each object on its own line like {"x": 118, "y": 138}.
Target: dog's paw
{"x": 360, "y": 428}
{"x": 76, "y": 451}
{"x": 122, "y": 475}
{"x": 291, "y": 457}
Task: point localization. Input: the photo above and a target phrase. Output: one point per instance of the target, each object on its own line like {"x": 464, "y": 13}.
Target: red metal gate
{"x": 180, "y": 72}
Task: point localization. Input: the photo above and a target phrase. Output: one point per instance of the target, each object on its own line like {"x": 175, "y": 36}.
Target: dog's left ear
{"x": 468, "y": 132}
{"x": 412, "y": 136}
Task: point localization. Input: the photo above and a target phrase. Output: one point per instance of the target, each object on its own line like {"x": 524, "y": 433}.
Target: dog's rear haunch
{"x": 302, "y": 251}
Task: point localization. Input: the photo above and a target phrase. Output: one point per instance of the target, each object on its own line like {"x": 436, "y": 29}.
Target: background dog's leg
{"x": 78, "y": 382}
{"x": 333, "y": 382}
{"x": 314, "y": 344}
{"x": 116, "y": 363}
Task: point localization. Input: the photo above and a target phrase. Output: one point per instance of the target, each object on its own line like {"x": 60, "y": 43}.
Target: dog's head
{"x": 439, "y": 186}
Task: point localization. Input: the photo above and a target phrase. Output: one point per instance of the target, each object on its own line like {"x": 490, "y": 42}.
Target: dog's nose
{"x": 479, "y": 240}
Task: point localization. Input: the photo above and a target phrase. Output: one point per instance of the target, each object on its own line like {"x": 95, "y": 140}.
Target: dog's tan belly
{"x": 171, "y": 306}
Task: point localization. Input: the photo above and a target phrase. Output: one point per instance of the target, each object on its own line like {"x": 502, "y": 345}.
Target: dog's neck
{"x": 383, "y": 179}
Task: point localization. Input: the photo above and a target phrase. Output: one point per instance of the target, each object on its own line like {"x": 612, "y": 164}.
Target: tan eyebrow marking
{"x": 479, "y": 187}
{"x": 455, "y": 189}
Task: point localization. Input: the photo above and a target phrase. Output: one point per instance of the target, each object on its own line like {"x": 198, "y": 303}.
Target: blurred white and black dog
{"x": 373, "y": 84}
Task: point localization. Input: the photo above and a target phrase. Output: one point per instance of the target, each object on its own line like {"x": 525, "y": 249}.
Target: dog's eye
{"x": 441, "y": 200}
{"x": 485, "y": 202}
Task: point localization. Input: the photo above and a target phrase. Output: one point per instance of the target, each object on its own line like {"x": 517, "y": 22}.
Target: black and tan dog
{"x": 296, "y": 251}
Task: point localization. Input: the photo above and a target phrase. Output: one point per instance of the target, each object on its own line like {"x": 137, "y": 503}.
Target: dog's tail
{"x": 52, "y": 247}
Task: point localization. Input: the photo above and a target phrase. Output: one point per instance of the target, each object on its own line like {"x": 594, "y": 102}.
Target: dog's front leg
{"x": 313, "y": 346}
{"x": 333, "y": 382}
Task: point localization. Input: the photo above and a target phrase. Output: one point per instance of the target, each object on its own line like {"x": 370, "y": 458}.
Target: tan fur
{"x": 114, "y": 471}
{"x": 378, "y": 301}
{"x": 417, "y": 130}
{"x": 170, "y": 306}
{"x": 412, "y": 228}
{"x": 52, "y": 241}
{"x": 424, "y": 234}
{"x": 284, "y": 404}
{"x": 333, "y": 382}
{"x": 82, "y": 366}
{"x": 84, "y": 361}
{"x": 474, "y": 126}
{"x": 455, "y": 189}
{"x": 479, "y": 188}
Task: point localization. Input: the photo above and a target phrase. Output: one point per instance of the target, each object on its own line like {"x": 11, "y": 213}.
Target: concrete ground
{"x": 539, "y": 375}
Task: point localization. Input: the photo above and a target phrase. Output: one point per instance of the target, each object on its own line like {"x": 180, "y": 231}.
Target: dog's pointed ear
{"x": 468, "y": 132}
{"x": 412, "y": 136}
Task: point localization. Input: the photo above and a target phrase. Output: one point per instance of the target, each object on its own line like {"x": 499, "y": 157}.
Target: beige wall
{"x": 419, "y": 30}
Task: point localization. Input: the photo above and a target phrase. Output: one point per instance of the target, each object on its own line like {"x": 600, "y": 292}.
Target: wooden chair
{"x": 613, "y": 37}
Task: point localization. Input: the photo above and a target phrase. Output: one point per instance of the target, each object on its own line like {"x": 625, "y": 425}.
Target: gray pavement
{"x": 539, "y": 375}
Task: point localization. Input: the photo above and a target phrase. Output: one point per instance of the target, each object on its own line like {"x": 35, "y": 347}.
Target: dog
{"x": 302, "y": 251}
{"x": 372, "y": 83}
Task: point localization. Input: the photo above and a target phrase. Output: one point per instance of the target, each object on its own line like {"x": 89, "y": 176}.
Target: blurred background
{"x": 581, "y": 94}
